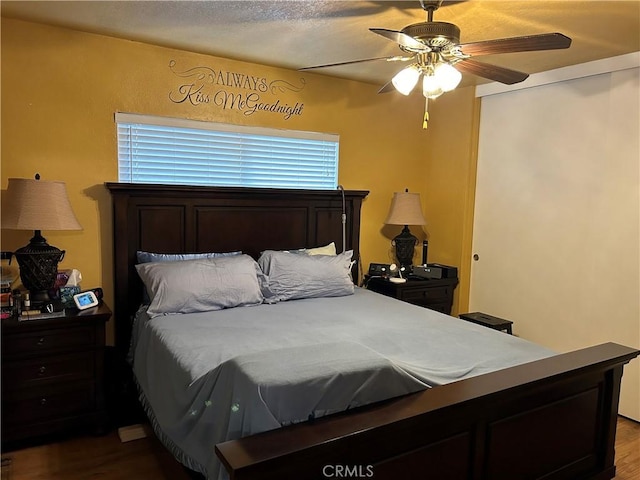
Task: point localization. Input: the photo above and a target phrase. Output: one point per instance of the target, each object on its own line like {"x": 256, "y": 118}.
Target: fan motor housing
{"x": 434, "y": 34}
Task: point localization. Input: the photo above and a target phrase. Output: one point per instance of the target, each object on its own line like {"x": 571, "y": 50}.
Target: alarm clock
{"x": 84, "y": 300}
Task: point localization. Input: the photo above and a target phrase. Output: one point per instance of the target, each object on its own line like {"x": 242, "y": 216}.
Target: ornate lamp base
{"x": 38, "y": 267}
{"x": 405, "y": 244}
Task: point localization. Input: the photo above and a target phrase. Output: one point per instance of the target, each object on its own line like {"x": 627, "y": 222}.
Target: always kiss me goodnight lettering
{"x": 228, "y": 90}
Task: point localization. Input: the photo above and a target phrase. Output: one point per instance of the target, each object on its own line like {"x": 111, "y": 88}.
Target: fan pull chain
{"x": 425, "y": 120}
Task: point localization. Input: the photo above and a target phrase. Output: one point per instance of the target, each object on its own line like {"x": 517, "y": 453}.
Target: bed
{"x": 539, "y": 415}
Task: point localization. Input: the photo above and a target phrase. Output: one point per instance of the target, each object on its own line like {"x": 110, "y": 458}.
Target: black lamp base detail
{"x": 38, "y": 267}
{"x": 405, "y": 244}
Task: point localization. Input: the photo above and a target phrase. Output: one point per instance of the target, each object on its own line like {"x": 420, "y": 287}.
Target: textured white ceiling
{"x": 295, "y": 34}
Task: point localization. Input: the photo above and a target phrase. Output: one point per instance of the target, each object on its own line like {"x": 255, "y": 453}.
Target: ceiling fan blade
{"x": 387, "y": 87}
{"x": 388, "y": 59}
{"x": 528, "y": 43}
{"x": 402, "y": 39}
{"x": 492, "y": 72}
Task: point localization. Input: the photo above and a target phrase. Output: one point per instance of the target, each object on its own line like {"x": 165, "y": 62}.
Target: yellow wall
{"x": 61, "y": 88}
{"x": 450, "y": 184}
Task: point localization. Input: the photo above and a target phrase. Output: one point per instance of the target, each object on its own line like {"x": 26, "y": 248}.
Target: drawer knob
{"x": 43, "y": 402}
{"x": 42, "y": 370}
{"x": 40, "y": 341}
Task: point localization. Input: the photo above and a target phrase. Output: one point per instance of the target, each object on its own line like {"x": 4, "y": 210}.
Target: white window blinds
{"x": 188, "y": 152}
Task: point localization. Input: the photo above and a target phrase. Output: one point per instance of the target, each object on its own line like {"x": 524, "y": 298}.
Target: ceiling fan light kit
{"x": 431, "y": 89}
{"x": 448, "y": 77}
{"x": 406, "y": 79}
{"x": 438, "y": 55}
{"x": 438, "y": 77}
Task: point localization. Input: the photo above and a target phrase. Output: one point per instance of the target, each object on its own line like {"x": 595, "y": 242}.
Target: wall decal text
{"x": 248, "y": 94}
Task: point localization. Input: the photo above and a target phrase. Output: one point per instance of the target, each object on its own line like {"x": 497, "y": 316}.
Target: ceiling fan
{"x": 436, "y": 54}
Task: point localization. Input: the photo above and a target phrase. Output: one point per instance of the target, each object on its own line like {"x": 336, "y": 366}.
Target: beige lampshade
{"x": 405, "y": 210}
{"x": 37, "y": 205}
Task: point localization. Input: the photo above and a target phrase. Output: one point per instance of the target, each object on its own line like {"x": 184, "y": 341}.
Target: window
{"x": 188, "y": 152}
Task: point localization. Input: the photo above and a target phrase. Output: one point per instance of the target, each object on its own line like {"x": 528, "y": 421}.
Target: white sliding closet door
{"x": 557, "y": 214}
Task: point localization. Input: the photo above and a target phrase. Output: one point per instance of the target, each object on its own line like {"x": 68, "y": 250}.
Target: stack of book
{"x": 40, "y": 314}
{"x": 6, "y": 303}
{"x": 7, "y": 277}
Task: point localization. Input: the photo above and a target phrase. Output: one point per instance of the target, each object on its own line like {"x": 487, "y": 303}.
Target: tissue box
{"x": 66, "y": 295}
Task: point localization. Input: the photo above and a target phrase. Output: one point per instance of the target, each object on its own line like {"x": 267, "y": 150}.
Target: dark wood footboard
{"x": 553, "y": 419}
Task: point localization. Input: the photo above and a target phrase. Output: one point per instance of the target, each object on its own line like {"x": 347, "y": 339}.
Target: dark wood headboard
{"x": 189, "y": 219}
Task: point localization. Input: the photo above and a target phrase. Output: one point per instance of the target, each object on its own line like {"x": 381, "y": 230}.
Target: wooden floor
{"x": 106, "y": 458}
{"x": 627, "y": 450}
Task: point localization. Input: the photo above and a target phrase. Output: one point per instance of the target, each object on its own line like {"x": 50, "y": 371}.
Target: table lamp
{"x": 38, "y": 205}
{"x": 405, "y": 210}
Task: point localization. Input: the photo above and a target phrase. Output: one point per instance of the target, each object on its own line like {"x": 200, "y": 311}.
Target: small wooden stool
{"x": 488, "y": 321}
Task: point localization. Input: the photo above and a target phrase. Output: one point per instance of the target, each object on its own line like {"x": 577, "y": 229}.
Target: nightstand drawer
{"x": 434, "y": 294}
{"x": 424, "y": 296}
{"x": 47, "y": 369}
{"x": 48, "y": 340}
{"x": 439, "y": 307}
{"x": 41, "y": 404}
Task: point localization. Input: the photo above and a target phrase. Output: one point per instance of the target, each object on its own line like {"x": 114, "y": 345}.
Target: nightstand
{"x": 436, "y": 294}
{"x": 489, "y": 321}
{"x": 53, "y": 374}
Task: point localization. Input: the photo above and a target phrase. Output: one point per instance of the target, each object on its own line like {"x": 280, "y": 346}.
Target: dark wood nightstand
{"x": 489, "y": 321}
{"x": 53, "y": 374}
{"x": 436, "y": 294}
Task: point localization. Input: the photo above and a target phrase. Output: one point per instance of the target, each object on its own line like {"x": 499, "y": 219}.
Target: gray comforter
{"x": 209, "y": 377}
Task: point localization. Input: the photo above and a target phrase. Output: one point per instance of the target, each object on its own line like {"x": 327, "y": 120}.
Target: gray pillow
{"x": 201, "y": 285}
{"x": 147, "y": 257}
{"x": 293, "y": 276}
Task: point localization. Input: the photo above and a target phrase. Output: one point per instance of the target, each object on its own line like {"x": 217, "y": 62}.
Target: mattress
{"x": 209, "y": 377}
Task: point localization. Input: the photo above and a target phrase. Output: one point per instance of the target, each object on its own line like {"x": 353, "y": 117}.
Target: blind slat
{"x": 159, "y": 152}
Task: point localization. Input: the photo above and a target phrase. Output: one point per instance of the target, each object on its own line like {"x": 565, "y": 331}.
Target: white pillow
{"x": 326, "y": 250}
{"x": 201, "y": 285}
